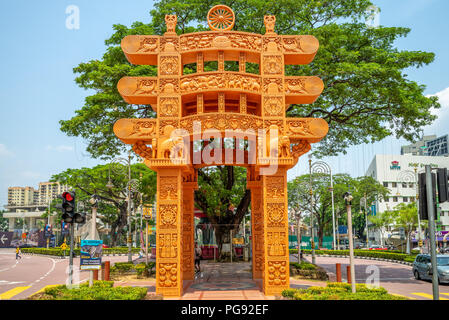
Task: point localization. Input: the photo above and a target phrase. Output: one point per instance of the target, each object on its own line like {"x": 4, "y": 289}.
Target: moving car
{"x": 422, "y": 267}
{"x": 376, "y": 247}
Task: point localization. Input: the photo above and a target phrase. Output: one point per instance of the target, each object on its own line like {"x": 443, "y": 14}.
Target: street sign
{"x": 5, "y": 239}
{"x": 373, "y": 210}
{"x": 64, "y": 246}
{"x": 342, "y": 229}
{"x": 47, "y": 231}
{"x": 147, "y": 211}
{"x": 91, "y": 252}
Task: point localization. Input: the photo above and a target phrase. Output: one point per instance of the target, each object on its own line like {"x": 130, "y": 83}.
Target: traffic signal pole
{"x": 72, "y": 231}
{"x": 431, "y": 213}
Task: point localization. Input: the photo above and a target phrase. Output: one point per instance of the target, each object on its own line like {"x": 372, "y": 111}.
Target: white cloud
{"x": 4, "y": 152}
{"x": 61, "y": 148}
{"x": 439, "y": 127}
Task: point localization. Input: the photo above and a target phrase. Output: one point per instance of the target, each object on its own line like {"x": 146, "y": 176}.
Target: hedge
{"x": 142, "y": 269}
{"x": 362, "y": 253}
{"x": 340, "y": 291}
{"x": 59, "y": 252}
{"x": 101, "y": 290}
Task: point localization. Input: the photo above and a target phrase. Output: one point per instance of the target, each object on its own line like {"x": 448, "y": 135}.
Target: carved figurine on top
{"x": 269, "y": 22}
{"x": 170, "y": 22}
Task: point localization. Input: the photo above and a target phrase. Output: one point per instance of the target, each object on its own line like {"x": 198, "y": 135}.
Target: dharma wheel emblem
{"x": 221, "y": 18}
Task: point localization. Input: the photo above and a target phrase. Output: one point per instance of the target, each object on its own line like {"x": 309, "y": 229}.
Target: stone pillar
{"x": 12, "y": 223}
{"x": 276, "y": 254}
{"x": 187, "y": 245}
{"x": 168, "y": 230}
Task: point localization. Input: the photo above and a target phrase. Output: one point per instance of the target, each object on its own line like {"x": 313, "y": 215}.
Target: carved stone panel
{"x": 168, "y": 107}
{"x": 169, "y": 65}
{"x": 274, "y": 106}
{"x": 169, "y": 188}
{"x": 273, "y": 65}
{"x": 276, "y": 244}
{"x": 276, "y": 214}
{"x": 168, "y": 274}
{"x": 168, "y": 245}
{"x": 277, "y": 273}
{"x": 168, "y": 216}
{"x": 275, "y": 187}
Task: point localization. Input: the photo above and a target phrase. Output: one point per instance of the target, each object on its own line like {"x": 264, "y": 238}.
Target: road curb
{"x": 363, "y": 257}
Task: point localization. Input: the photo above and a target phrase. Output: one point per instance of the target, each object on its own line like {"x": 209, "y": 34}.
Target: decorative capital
{"x": 269, "y": 22}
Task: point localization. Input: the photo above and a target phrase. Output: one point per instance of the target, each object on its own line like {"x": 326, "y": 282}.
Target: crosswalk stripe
{"x": 13, "y": 292}
{"x": 426, "y": 295}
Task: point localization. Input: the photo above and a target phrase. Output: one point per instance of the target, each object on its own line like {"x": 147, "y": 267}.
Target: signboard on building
{"x": 91, "y": 252}
{"x": 342, "y": 229}
{"x": 373, "y": 210}
{"x": 395, "y": 165}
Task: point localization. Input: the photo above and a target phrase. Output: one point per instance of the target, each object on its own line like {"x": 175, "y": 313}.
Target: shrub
{"x": 101, "y": 290}
{"x": 340, "y": 291}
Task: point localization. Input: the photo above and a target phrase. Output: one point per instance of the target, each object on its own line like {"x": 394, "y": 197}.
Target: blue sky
{"x": 37, "y": 88}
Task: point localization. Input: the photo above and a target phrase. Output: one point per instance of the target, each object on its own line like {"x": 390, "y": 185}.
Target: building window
{"x": 387, "y": 199}
{"x": 412, "y": 199}
{"x": 405, "y": 199}
{"x": 411, "y": 185}
{"x": 404, "y": 185}
{"x": 442, "y": 214}
{"x": 394, "y": 185}
{"x": 395, "y": 199}
{"x": 386, "y": 184}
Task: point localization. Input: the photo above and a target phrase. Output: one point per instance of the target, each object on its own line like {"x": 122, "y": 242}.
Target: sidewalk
{"x": 222, "y": 281}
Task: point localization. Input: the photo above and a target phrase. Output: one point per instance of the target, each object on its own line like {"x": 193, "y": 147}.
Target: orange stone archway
{"x": 251, "y": 106}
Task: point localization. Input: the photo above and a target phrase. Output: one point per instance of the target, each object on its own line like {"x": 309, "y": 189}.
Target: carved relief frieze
{"x": 222, "y": 121}
{"x": 168, "y": 274}
{"x": 298, "y": 127}
{"x": 292, "y": 44}
{"x": 295, "y": 86}
{"x": 169, "y": 44}
{"x": 148, "y": 44}
{"x": 220, "y": 81}
{"x": 208, "y": 40}
{"x": 146, "y": 87}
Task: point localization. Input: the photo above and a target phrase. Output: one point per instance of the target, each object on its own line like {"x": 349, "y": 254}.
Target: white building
{"x": 398, "y": 174}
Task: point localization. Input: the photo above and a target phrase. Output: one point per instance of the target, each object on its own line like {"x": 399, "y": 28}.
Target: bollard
{"x": 107, "y": 265}
{"x": 348, "y": 271}
{"x": 102, "y": 271}
{"x": 338, "y": 271}
{"x": 95, "y": 275}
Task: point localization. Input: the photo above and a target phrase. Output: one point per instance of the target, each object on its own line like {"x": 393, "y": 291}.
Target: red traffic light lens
{"x": 67, "y": 196}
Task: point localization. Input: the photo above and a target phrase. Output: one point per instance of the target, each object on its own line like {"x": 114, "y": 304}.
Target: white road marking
{"x": 4, "y": 282}
{"x": 10, "y": 267}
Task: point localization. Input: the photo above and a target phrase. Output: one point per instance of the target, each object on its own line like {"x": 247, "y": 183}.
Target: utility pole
{"x": 431, "y": 214}
{"x": 420, "y": 242}
{"x": 93, "y": 229}
{"x": 298, "y": 234}
{"x": 130, "y": 255}
{"x": 348, "y": 200}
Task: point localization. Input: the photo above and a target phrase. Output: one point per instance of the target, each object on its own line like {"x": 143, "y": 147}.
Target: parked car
{"x": 422, "y": 267}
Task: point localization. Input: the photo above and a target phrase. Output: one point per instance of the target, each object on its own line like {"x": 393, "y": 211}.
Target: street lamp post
{"x": 363, "y": 204}
{"x": 348, "y": 201}
{"x": 312, "y": 236}
{"x": 132, "y": 184}
{"x": 323, "y": 167}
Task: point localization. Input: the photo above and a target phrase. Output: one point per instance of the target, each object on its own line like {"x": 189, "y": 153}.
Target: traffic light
{"x": 68, "y": 206}
{"x": 79, "y": 217}
{"x": 442, "y": 181}
{"x": 423, "y": 214}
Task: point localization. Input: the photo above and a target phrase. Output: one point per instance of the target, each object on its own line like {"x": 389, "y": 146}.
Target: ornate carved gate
{"x": 195, "y": 107}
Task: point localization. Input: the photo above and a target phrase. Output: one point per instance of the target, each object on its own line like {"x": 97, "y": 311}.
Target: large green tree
{"x": 367, "y": 94}
{"x": 109, "y": 183}
{"x": 299, "y": 199}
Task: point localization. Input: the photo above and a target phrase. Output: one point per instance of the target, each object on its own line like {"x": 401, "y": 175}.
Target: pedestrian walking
{"x": 18, "y": 252}
{"x": 197, "y": 258}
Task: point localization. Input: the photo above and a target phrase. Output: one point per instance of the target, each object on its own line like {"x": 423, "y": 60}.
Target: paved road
{"x": 396, "y": 278}
{"x": 20, "y": 279}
